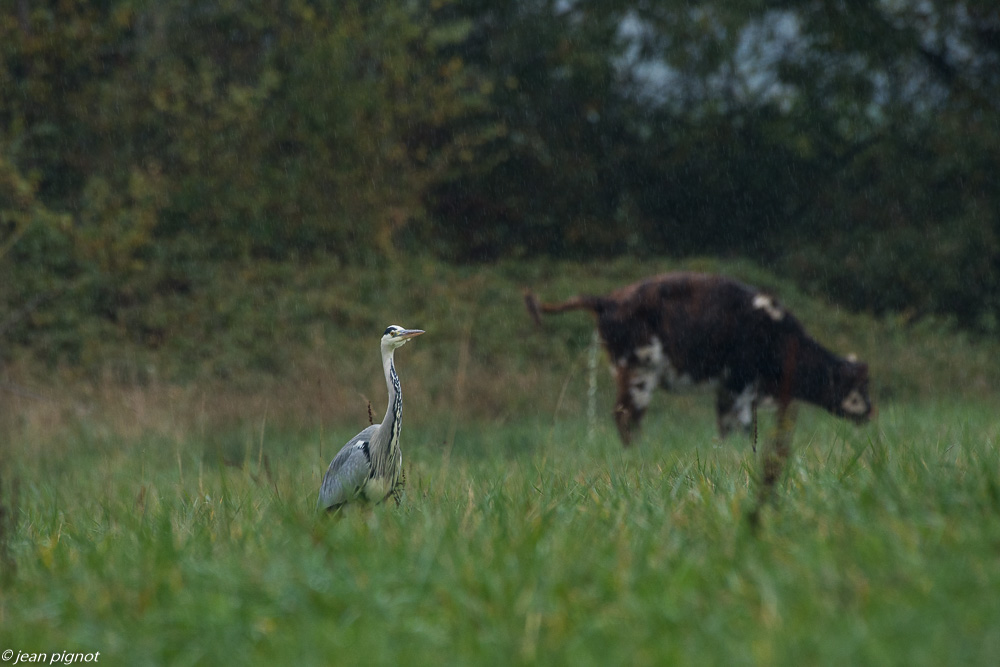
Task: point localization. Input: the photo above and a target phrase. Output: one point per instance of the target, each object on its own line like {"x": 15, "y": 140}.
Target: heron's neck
{"x": 394, "y": 411}
{"x": 392, "y": 384}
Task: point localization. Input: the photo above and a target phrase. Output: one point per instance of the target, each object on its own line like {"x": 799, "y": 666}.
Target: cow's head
{"x": 851, "y": 399}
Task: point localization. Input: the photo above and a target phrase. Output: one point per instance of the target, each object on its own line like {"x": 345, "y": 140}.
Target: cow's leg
{"x": 735, "y": 407}
{"x": 635, "y": 389}
{"x": 776, "y": 450}
{"x": 774, "y": 455}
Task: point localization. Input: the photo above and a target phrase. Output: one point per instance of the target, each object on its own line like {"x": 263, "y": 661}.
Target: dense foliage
{"x": 850, "y": 145}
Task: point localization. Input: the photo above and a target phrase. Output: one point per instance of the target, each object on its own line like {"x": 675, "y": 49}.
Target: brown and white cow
{"x": 681, "y": 329}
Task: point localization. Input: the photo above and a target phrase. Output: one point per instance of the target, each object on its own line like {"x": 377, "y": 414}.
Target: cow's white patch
{"x": 646, "y": 372}
{"x": 766, "y": 303}
{"x": 641, "y": 386}
{"x": 855, "y": 403}
{"x": 651, "y": 354}
{"x": 741, "y": 412}
{"x": 743, "y": 406}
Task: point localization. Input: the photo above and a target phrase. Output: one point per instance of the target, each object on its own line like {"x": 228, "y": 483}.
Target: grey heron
{"x": 368, "y": 467}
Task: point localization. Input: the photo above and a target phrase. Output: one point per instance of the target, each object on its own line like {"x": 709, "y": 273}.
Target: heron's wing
{"x": 348, "y": 471}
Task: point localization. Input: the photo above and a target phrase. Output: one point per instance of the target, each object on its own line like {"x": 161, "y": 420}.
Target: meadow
{"x": 159, "y": 504}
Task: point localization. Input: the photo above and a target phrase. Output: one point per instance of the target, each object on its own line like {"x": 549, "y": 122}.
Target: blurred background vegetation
{"x": 148, "y": 148}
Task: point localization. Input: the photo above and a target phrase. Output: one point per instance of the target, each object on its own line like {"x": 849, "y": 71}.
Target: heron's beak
{"x": 409, "y": 333}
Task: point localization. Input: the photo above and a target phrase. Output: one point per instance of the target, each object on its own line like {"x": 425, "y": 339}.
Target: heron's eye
{"x": 388, "y": 331}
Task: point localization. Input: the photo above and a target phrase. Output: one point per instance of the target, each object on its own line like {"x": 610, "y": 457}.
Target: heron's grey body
{"x": 369, "y": 466}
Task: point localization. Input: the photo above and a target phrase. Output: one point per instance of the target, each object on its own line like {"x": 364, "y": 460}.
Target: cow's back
{"x": 707, "y": 325}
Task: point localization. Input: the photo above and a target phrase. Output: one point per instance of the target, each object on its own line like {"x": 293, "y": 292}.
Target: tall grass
{"x": 164, "y": 520}
{"x": 525, "y": 545}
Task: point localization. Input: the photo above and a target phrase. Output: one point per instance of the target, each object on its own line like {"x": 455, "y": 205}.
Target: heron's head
{"x": 396, "y": 336}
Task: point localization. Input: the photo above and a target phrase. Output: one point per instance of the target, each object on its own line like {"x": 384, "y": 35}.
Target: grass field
{"x": 173, "y": 522}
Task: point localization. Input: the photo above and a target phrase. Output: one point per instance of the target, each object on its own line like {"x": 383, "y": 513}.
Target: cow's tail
{"x": 583, "y": 302}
